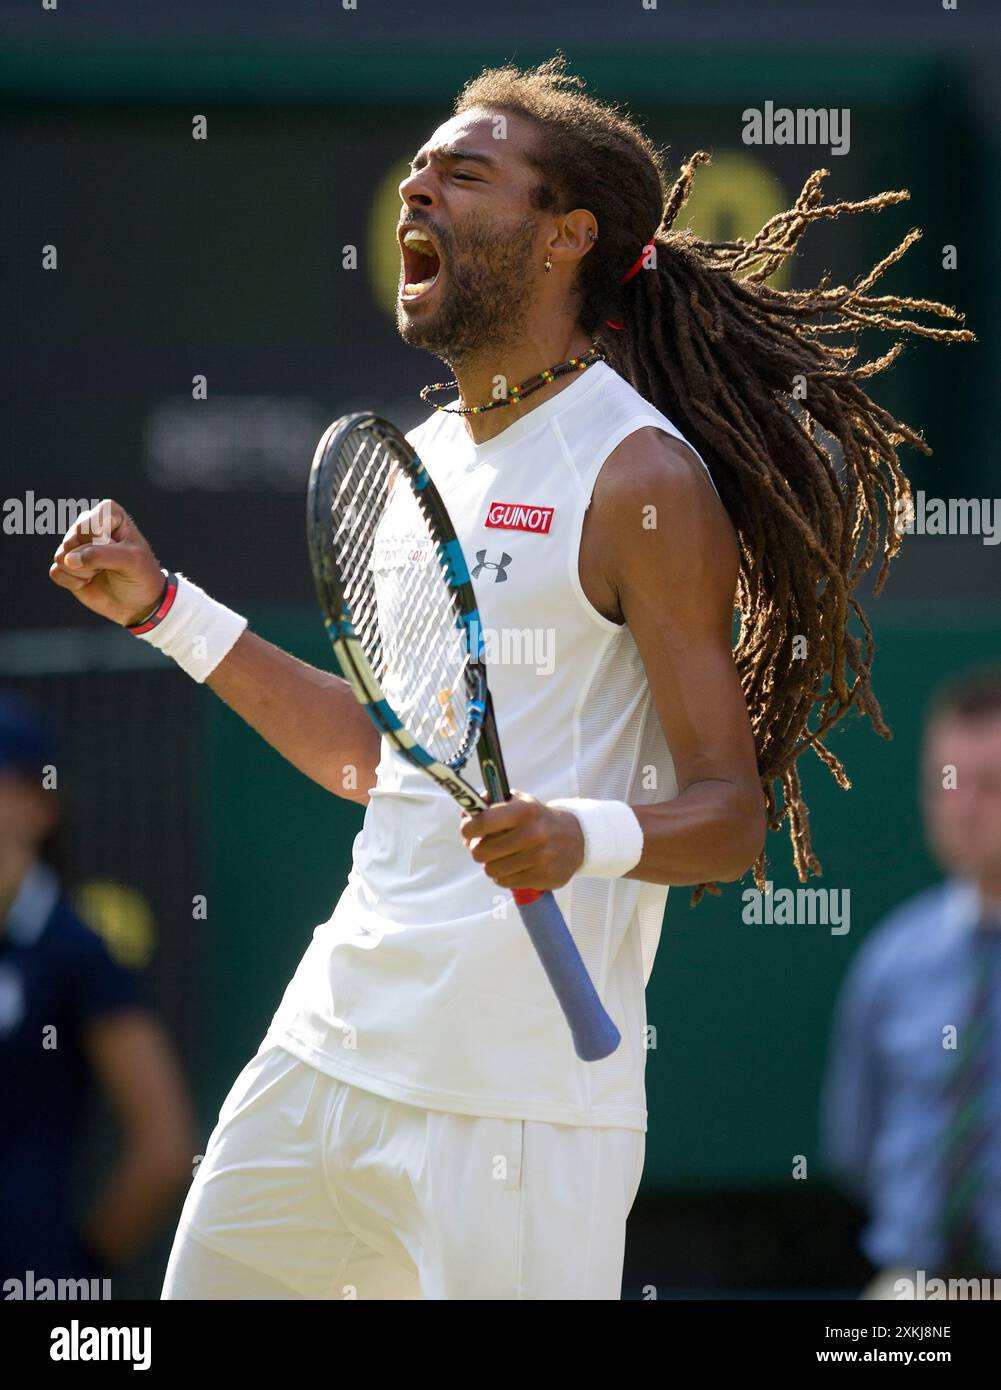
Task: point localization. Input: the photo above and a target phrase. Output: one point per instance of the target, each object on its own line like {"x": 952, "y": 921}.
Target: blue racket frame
{"x": 594, "y": 1034}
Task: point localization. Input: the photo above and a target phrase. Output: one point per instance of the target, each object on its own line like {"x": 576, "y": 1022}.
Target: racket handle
{"x": 594, "y": 1034}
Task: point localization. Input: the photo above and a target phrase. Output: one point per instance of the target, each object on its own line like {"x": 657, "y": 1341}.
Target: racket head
{"x": 395, "y": 593}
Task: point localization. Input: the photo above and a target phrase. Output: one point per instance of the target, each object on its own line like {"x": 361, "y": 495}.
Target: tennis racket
{"x": 399, "y": 608}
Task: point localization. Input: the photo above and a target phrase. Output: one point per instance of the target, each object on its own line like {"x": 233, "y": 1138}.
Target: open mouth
{"x": 421, "y": 264}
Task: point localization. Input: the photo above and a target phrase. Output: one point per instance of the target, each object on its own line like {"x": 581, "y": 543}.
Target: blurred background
{"x": 230, "y": 257}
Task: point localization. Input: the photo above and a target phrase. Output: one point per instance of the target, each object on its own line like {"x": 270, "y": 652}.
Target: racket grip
{"x": 594, "y": 1034}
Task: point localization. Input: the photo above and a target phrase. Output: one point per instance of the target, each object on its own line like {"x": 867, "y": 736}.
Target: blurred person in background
{"x": 70, "y": 1015}
{"x": 912, "y": 1104}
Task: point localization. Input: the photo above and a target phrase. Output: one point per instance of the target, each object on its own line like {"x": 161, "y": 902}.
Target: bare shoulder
{"x": 651, "y": 489}
{"x": 647, "y": 462}
{"x": 656, "y": 529}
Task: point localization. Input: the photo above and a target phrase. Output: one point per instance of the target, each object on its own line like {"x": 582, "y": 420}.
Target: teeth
{"x": 410, "y": 289}
{"x": 424, "y": 246}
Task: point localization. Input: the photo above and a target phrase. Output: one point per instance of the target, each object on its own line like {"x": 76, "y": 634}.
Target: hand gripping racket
{"x": 399, "y": 608}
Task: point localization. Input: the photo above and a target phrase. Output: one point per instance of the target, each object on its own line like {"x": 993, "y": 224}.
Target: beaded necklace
{"x": 518, "y": 393}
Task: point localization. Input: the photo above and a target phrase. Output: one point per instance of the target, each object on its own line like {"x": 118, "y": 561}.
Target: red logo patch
{"x": 519, "y": 516}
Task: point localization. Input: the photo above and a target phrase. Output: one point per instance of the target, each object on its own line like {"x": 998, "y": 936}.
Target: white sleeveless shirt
{"x": 423, "y": 986}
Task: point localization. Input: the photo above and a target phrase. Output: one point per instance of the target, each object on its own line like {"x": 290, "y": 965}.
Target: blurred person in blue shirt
{"x": 70, "y": 1015}
{"x": 911, "y": 1112}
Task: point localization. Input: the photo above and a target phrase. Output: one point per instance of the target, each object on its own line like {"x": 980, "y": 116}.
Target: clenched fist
{"x": 106, "y": 561}
{"x": 523, "y": 843}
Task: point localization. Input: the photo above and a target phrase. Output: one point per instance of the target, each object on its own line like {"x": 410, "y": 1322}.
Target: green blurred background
{"x": 226, "y": 258}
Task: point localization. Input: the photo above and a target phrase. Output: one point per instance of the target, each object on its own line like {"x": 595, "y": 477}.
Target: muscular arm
{"x": 674, "y": 581}
{"x": 311, "y": 717}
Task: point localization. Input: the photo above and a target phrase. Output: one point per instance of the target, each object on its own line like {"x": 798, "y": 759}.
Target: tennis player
{"x": 415, "y": 1123}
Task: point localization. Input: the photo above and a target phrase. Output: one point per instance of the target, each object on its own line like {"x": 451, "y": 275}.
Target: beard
{"x": 486, "y": 295}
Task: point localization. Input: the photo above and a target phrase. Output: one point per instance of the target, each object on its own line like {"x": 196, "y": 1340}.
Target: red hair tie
{"x": 634, "y": 270}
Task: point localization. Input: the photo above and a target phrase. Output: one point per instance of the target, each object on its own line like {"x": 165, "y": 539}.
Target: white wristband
{"x": 197, "y": 632}
{"x": 613, "y": 836}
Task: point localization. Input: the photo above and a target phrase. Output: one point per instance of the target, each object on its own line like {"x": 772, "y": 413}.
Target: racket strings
{"x": 403, "y": 613}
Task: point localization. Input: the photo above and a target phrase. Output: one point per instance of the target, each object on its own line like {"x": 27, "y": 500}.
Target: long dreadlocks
{"x": 804, "y": 460}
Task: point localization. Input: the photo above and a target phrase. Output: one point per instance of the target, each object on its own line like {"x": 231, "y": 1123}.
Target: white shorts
{"x": 313, "y": 1188}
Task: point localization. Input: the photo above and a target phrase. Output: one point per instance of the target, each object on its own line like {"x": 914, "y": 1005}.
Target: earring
{"x": 548, "y": 263}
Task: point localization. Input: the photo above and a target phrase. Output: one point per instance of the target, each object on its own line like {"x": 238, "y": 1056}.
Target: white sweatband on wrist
{"x": 197, "y": 632}
{"x": 613, "y": 836}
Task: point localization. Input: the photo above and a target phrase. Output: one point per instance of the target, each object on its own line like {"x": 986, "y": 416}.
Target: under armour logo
{"x": 499, "y": 565}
